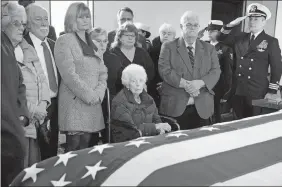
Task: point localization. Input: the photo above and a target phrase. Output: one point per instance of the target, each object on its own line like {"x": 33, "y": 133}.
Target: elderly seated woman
{"x": 134, "y": 112}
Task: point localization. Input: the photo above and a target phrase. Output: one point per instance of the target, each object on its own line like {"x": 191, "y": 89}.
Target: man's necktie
{"x": 191, "y": 55}
{"x": 252, "y": 39}
{"x": 50, "y": 69}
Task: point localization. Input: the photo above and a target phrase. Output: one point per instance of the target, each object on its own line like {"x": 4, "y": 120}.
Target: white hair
{"x": 132, "y": 71}
{"x": 14, "y": 9}
{"x": 167, "y": 27}
{"x": 189, "y": 15}
{"x": 29, "y": 9}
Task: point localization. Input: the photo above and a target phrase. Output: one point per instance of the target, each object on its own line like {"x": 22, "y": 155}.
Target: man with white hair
{"x": 38, "y": 29}
{"x": 190, "y": 69}
{"x": 254, "y": 53}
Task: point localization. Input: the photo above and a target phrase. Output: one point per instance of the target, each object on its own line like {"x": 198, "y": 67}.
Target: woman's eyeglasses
{"x": 18, "y": 24}
{"x": 102, "y": 41}
{"x": 129, "y": 35}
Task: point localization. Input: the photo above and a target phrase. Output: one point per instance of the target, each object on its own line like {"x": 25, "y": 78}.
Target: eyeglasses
{"x": 167, "y": 33}
{"x": 102, "y": 41}
{"x": 18, "y": 24}
{"x": 190, "y": 26}
{"x": 129, "y": 35}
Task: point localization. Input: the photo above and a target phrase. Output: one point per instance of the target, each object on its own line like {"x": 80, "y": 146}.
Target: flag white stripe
{"x": 169, "y": 154}
{"x": 269, "y": 176}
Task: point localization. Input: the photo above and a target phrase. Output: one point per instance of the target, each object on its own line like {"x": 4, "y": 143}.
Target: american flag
{"x": 244, "y": 152}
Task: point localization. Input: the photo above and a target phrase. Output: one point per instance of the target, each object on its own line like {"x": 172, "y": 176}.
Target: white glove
{"x": 237, "y": 21}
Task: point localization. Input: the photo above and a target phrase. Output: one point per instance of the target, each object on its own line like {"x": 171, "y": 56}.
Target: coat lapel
{"x": 181, "y": 48}
{"x": 28, "y": 39}
{"x": 199, "y": 51}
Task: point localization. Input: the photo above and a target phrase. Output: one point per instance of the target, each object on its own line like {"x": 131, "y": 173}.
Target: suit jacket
{"x": 252, "y": 62}
{"x": 112, "y": 34}
{"x": 174, "y": 64}
{"x": 52, "y": 46}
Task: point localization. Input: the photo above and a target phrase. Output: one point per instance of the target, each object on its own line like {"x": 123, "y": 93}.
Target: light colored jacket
{"x": 84, "y": 81}
{"x": 37, "y": 89}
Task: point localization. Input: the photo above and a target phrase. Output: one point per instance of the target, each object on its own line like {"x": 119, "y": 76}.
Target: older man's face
{"x": 190, "y": 27}
{"x": 38, "y": 23}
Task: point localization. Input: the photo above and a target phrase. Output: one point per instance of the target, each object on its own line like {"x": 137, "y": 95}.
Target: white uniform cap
{"x": 216, "y": 22}
{"x": 256, "y": 9}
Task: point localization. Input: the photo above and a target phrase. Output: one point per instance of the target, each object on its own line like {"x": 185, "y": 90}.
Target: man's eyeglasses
{"x": 190, "y": 26}
{"x": 129, "y": 35}
{"x": 102, "y": 41}
{"x": 18, "y": 24}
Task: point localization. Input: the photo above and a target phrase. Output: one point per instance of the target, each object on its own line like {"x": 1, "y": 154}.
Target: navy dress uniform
{"x": 225, "y": 55}
{"x": 254, "y": 53}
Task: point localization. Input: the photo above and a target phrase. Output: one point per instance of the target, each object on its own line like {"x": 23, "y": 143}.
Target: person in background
{"x": 14, "y": 112}
{"x": 84, "y": 80}
{"x": 225, "y": 55}
{"x": 38, "y": 29}
{"x": 254, "y": 53}
{"x": 52, "y": 32}
{"x": 125, "y": 15}
{"x": 125, "y": 47}
{"x": 134, "y": 112}
{"x": 190, "y": 69}
{"x": 99, "y": 36}
{"x": 144, "y": 30}
{"x": 166, "y": 33}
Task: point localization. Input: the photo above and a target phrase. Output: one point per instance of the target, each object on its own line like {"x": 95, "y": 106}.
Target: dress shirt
{"x": 256, "y": 34}
{"x": 19, "y": 54}
{"x": 214, "y": 43}
{"x": 40, "y": 53}
{"x": 191, "y": 99}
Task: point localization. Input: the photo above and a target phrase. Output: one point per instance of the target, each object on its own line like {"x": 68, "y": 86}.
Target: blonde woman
{"x": 84, "y": 77}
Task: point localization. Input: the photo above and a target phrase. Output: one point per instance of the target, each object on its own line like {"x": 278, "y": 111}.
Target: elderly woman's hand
{"x": 163, "y": 127}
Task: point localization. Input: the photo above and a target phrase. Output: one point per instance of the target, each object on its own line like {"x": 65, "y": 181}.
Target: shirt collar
{"x": 256, "y": 34}
{"x": 214, "y": 43}
{"x": 193, "y": 45}
{"x": 35, "y": 40}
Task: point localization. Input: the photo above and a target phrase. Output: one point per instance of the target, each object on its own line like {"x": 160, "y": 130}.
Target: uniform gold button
{"x": 250, "y": 68}
{"x": 249, "y": 77}
{"x": 252, "y": 59}
{"x": 239, "y": 75}
{"x": 242, "y": 57}
{"x": 240, "y": 66}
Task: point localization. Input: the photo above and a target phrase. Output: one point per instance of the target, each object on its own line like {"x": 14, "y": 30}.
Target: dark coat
{"x": 155, "y": 54}
{"x": 225, "y": 57}
{"x": 112, "y": 35}
{"x": 142, "y": 116}
{"x": 52, "y": 33}
{"x": 251, "y": 64}
{"x": 141, "y": 57}
{"x": 13, "y": 104}
{"x": 113, "y": 63}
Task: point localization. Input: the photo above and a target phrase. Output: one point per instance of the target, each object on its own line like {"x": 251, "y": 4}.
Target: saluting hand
{"x": 237, "y": 21}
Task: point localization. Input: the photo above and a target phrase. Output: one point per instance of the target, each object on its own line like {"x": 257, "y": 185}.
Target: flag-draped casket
{"x": 244, "y": 152}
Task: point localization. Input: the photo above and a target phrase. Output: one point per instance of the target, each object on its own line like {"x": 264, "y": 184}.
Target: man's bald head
{"x": 37, "y": 21}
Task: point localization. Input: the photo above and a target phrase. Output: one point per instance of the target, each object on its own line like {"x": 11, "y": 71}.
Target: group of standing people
{"x": 50, "y": 86}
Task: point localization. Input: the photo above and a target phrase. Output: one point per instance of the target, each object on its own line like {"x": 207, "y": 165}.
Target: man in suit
{"x": 190, "y": 69}
{"x": 254, "y": 53}
{"x": 225, "y": 55}
{"x": 38, "y": 29}
{"x": 123, "y": 15}
{"x": 52, "y": 32}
